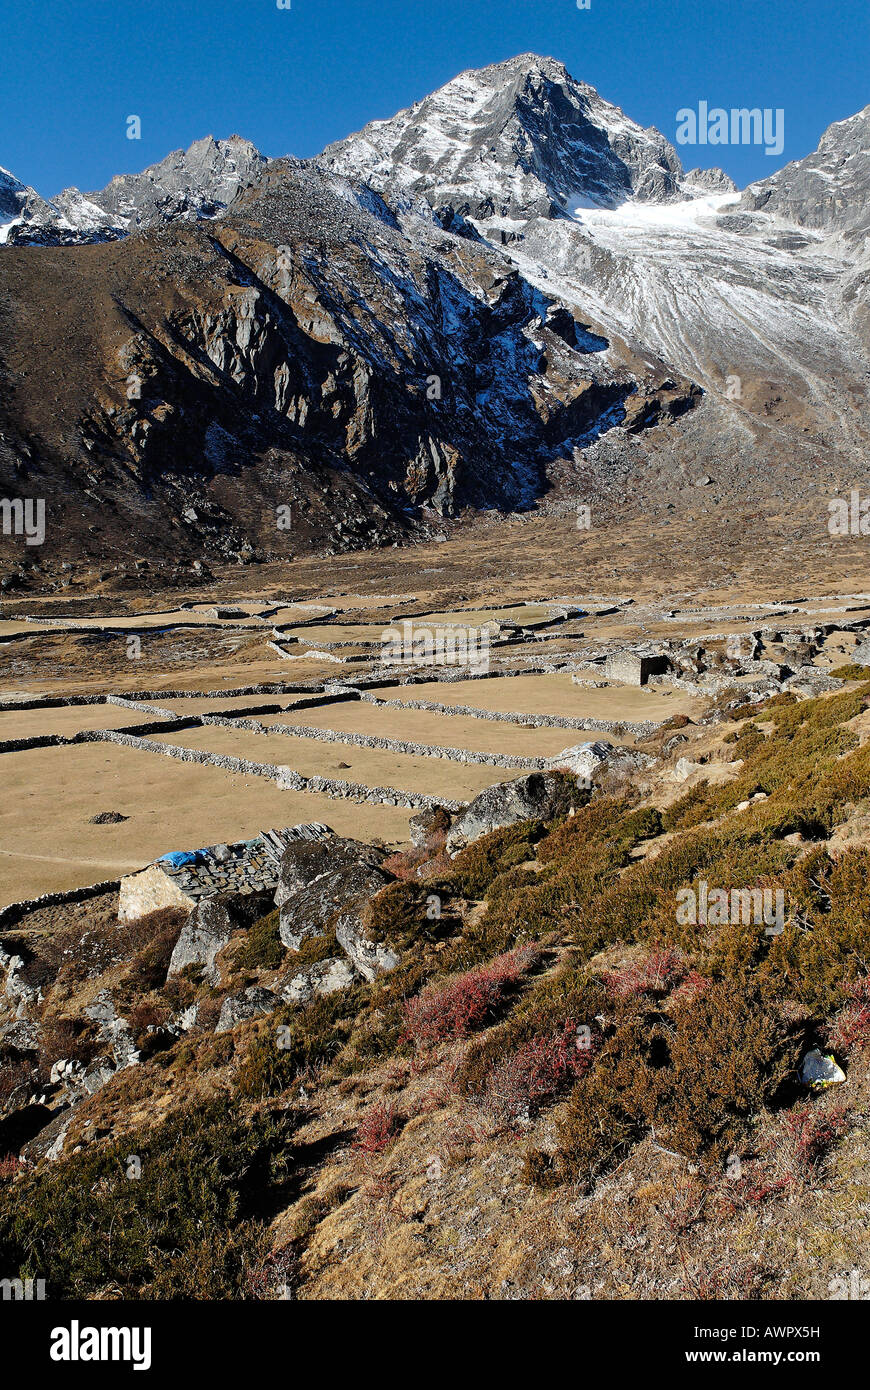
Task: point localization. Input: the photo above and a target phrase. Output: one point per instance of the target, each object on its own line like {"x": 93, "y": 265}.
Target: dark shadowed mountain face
{"x": 500, "y": 298}
{"x": 306, "y": 351}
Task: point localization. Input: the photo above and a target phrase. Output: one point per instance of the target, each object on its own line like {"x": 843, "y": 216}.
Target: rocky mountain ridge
{"x": 305, "y": 370}
{"x": 199, "y": 182}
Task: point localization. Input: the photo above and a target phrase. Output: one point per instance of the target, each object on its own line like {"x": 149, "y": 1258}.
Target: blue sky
{"x": 293, "y": 80}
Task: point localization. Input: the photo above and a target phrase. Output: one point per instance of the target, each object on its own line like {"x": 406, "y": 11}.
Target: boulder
{"x": 304, "y": 861}
{"x": 584, "y": 759}
{"x": 371, "y": 958}
{"x": 539, "y": 796}
{"x": 240, "y": 1007}
{"x": 428, "y": 825}
{"x": 861, "y": 654}
{"x": 686, "y": 768}
{"x": 316, "y": 886}
{"x": 112, "y": 1029}
{"x": 325, "y": 977}
{"x": 205, "y": 933}
{"x": 96, "y": 1074}
{"x": 48, "y": 1141}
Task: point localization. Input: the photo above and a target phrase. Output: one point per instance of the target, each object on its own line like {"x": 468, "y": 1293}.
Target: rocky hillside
{"x": 309, "y": 351}
{"x": 523, "y": 1071}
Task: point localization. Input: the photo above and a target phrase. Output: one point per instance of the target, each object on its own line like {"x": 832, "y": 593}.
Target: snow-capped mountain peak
{"x": 513, "y": 140}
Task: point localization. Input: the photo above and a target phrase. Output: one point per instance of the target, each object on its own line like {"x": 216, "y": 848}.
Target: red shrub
{"x": 851, "y": 1028}
{"x": 811, "y": 1133}
{"x": 377, "y": 1129}
{"x": 405, "y": 863}
{"x": 466, "y": 1002}
{"x": 656, "y": 975}
{"x": 516, "y": 1087}
{"x": 767, "y": 1187}
{"x": 693, "y": 985}
{"x": 9, "y": 1166}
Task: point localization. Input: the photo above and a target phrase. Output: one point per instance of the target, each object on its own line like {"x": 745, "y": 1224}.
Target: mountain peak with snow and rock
{"x": 828, "y": 190}
{"x": 517, "y": 139}
{"x": 199, "y": 182}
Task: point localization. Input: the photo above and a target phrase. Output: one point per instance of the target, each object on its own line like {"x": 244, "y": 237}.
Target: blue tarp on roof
{"x": 179, "y": 857}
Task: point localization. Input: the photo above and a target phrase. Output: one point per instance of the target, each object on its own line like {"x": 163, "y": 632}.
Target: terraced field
{"x": 235, "y": 699}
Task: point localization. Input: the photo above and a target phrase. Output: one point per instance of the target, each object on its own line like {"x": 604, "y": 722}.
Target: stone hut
{"x": 634, "y": 668}
{"x": 247, "y": 866}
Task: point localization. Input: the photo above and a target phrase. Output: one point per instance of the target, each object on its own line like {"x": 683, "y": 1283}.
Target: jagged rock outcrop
{"x": 19, "y": 204}
{"x": 708, "y": 181}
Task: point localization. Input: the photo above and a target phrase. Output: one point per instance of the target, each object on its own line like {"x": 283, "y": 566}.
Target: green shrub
{"x": 293, "y": 1040}
{"x": 475, "y": 867}
{"x": 851, "y": 672}
{"x": 643, "y": 824}
{"x": 188, "y": 1227}
{"x": 262, "y": 948}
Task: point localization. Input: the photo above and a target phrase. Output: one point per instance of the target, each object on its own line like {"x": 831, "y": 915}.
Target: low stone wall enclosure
{"x": 770, "y": 657}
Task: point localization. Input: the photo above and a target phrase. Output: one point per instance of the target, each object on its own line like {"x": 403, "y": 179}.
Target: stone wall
{"x": 537, "y": 721}
{"x": 14, "y": 912}
{"x": 286, "y": 777}
{"x": 388, "y": 745}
